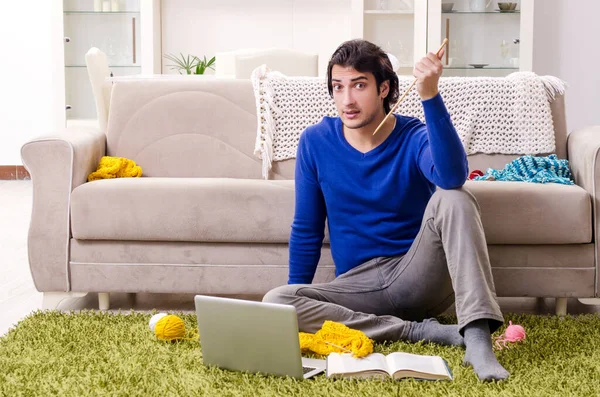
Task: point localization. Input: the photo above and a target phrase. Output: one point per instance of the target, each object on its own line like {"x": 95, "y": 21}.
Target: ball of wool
{"x": 514, "y": 332}
{"x": 169, "y": 327}
{"x": 154, "y": 319}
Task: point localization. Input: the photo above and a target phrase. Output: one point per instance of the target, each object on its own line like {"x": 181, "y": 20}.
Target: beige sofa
{"x": 203, "y": 221}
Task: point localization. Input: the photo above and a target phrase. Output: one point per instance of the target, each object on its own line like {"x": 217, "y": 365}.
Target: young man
{"x": 403, "y": 251}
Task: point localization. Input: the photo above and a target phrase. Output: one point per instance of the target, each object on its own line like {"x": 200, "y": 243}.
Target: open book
{"x": 397, "y": 365}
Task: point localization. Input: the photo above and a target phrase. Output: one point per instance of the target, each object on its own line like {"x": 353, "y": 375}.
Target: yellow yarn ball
{"x": 170, "y": 327}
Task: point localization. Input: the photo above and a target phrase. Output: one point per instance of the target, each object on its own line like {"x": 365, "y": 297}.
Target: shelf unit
{"x": 482, "y": 12}
{"x": 101, "y": 12}
{"x": 483, "y": 68}
{"x": 410, "y": 28}
{"x": 130, "y": 38}
{"x": 400, "y": 28}
{"x": 504, "y": 40}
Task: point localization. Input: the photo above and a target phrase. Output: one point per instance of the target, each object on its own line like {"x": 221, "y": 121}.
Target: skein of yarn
{"x": 169, "y": 327}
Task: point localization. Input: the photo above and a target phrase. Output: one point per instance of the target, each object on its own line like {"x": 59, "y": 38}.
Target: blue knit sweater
{"x": 373, "y": 202}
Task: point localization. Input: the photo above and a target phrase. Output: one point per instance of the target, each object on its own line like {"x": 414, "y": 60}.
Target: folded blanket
{"x": 508, "y": 115}
{"x": 336, "y": 337}
{"x": 532, "y": 169}
{"x": 115, "y": 167}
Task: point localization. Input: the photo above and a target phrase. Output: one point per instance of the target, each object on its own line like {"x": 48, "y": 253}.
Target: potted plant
{"x": 190, "y": 64}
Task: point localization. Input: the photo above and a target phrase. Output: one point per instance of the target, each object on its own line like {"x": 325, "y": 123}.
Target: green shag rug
{"x": 96, "y": 353}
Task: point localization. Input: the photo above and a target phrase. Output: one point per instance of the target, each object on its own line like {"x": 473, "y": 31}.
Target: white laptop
{"x": 252, "y": 336}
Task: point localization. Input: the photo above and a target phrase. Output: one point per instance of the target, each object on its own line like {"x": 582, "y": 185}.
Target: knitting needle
{"x": 339, "y": 347}
{"x": 406, "y": 92}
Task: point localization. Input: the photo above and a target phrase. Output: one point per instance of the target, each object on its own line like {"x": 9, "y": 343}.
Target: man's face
{"x": 355, "y": 95}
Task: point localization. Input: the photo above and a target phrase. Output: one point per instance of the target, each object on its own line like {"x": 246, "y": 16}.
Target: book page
{"x": 343, "y": 364}
{"x": 418, "y": 366}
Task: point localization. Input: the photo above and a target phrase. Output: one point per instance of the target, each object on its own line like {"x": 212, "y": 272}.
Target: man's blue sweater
{"x": 373, "y": 202}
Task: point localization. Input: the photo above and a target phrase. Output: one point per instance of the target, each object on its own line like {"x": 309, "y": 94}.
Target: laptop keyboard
{"x": 306, "y": 370}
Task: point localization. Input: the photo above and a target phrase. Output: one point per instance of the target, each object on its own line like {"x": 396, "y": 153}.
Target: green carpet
{"x": 93, "y": 353}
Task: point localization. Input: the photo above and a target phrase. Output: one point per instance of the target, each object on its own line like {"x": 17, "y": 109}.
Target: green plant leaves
{"x": 190, "y": 64}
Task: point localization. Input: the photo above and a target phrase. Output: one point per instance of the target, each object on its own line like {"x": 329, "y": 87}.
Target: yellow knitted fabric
{"x": 336, "y": 337}
{"x": 115, "y": 167}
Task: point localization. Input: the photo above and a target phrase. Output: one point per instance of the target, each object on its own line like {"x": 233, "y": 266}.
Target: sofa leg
{"x": 103, "y": 301}
{"x": 51, "y": 300}
{"x": 589, "y": 301}
{"x": 561, "y": 306}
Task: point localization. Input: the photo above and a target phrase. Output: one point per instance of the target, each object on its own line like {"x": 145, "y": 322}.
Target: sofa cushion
{"x": 533, "y": 213}
{"x": 253, "y": 210}
{"x": 183, "y": 209}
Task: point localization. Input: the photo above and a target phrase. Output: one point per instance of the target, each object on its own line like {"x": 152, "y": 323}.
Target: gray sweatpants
{"x": 448, "y": 262}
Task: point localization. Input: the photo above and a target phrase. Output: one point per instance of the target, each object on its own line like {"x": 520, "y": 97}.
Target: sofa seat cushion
{"x": 259, "y": 211}
{"x": 533, "y": 213}
{"x": 183, "y": 209}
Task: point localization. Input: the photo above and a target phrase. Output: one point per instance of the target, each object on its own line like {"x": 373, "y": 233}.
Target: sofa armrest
{"x": 583, "y": 147}
{"x": 57, "y": 165}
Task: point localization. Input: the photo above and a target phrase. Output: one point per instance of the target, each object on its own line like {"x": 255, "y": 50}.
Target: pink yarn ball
{"x": 514, "y": 333}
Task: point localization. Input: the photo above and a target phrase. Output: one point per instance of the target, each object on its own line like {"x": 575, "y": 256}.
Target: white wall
{"x": 566, "y": 34}
{"x": 565, "y": 38}
{"x": 204, "y": 27}
{"x": 26, "y": 98}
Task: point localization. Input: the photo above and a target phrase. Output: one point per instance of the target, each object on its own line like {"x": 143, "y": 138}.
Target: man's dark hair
{"x": 364, "y": 57}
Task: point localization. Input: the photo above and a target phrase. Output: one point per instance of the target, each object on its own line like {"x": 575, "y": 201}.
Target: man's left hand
{"x": 428, "y": 71}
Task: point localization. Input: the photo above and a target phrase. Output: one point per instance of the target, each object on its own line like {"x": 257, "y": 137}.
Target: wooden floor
{"x": 18, "y": 296}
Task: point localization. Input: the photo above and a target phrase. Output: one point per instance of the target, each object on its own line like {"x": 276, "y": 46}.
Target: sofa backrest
{"x": 206, "y": 127}
{"x": 191, "y": 126}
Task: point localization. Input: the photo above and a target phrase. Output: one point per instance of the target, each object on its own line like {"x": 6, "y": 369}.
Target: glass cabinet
{"x": 486, "y": 37}
{"x": 113, "y": 26}
{"x": 399, "y": 27}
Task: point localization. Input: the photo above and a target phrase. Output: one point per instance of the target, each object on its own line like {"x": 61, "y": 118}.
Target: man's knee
{"x": 456, "y": 198}
{"x": 281, "y": 295}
